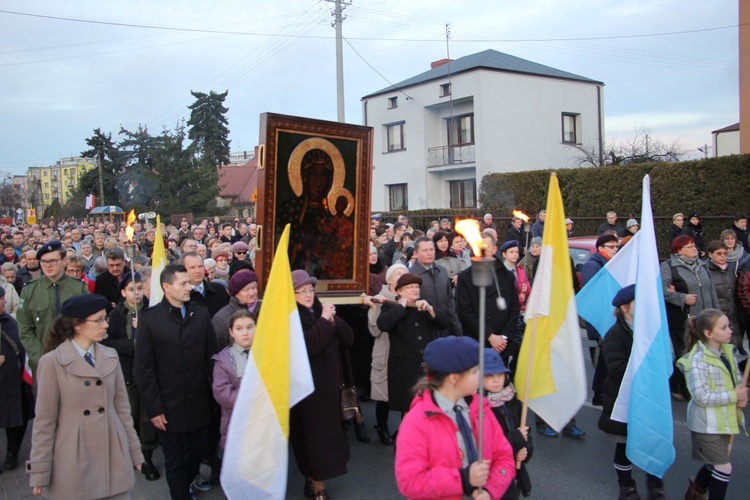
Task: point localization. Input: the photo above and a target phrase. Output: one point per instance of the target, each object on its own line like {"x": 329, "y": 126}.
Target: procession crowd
{"x": 76, "y": 296}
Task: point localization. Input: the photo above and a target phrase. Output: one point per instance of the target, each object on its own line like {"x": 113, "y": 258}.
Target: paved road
{"x": 562, "y": 468}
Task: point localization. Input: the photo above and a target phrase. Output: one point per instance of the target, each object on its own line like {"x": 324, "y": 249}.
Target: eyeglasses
{"x": 690, "y": 246}
{"x": 241, "y": 252}
{"x": 50, "y": 262}
{"x": 75, "y": 271}
{"x": 610, "y": 246}
{"x": 101, "y": 320}
{"x": 305, "y": 291}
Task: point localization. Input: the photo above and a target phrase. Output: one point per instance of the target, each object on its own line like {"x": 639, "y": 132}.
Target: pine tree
{"x": 137, "y": 182}
{"x": 208, "y": 128}
{"x": 185, "y": 183}
{"x": 104, "y": 150}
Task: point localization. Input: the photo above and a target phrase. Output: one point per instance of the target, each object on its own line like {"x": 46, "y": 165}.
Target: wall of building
{"x": 517, "y": 126}
{"x": 727, "y": 143}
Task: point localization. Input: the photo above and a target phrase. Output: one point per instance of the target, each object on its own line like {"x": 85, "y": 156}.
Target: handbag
{"x": 349, "y": 404}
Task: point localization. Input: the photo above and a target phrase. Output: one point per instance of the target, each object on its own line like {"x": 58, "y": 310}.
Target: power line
{"x": 375, "y": 70}
{"x": 249, "y": 33}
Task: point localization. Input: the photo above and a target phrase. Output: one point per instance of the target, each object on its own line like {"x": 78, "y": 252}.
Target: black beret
{"x": 83, "y": 306}
{"x": 238, "y": 264}
{"x": 452, "y": 354}
{"x": 624, "y": 296}
{"x": 408, "y": 279}
{"x": 127, "y": 278}
{"x": 47, "y": 248}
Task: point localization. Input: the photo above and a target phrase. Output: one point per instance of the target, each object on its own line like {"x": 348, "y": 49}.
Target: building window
{"x": 463, "y": 193}
{"x": 570, "y": 125}
{"x": 45, "y": 173}
{"x": 445, "y": 90}
{"x": 72, "y": 171}
{"x": 394, "y": 137}
{"x": 398, "y": 197}
{"x": 46, "y": 196}
{"x": 392, "y": 102}
{"x": 46, "y": 184}
{"x": 461, "y": 130}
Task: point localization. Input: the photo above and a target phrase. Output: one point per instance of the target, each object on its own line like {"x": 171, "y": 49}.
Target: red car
{"x": 581, "y": 248}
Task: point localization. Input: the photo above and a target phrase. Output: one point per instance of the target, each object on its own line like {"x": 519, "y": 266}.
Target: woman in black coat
{"x": 16, "y": 398}
{"x": 411, "y": 324}
{"x": 694, "y": 229}
{"x": 616, "y": 348}
{"x": 315, "y": 429}
{"x": 678, "y": 222}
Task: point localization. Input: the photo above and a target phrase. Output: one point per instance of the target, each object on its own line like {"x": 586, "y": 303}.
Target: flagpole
{"x": 527, "y": 384}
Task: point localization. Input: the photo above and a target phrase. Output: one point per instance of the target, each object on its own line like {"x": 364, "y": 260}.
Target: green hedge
{"x": 716, "y": 188}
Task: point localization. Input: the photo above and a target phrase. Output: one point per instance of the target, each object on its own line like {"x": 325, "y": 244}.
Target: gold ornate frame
{"x": 284, "y": 142}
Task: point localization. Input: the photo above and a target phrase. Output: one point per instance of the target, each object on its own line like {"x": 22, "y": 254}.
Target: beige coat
{"x": 380, "y": 350}
{"x": 83, "y": 444}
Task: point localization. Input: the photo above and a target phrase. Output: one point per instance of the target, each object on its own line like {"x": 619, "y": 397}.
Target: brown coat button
{"x": 86, "y": 413}
{"x": 101, "y": 410}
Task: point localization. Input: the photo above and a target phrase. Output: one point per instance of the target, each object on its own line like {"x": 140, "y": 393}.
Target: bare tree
{"x": 10, "y": 196}
{"x": 640, "y": 148}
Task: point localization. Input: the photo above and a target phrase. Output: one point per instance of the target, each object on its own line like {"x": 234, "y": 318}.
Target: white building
{"x": 438, "y": 133}
{"x": 727, "y": 140}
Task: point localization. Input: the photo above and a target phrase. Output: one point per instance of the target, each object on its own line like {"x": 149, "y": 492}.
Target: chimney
{"x": 439, "y": 62}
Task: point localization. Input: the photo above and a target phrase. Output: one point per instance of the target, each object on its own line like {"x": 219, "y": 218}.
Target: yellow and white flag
{"x": 158, "y": 262}
{"x": 550, "y": 374}
{"x": 276, "y": 378}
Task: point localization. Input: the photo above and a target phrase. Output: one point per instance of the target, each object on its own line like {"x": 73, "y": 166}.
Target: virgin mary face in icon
{"x": 317, "y": 175}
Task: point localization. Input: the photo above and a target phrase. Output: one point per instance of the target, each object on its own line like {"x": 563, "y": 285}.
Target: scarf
{"x": 500, "y": 398}
{"x": 692, "y": 264}
{"x": 736, "y": 254}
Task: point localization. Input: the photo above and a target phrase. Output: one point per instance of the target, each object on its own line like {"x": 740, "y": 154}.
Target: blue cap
{"x": 83, "y": 306}
{"x": 452, "y": 354}
{"x": 508, "y": 244}
{"x": 493, "y": 363}
{"x": 47, "y": 248}
{"x": 624, "y": 296}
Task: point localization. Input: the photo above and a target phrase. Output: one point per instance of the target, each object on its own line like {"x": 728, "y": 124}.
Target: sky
{"x": 670, "y": 66}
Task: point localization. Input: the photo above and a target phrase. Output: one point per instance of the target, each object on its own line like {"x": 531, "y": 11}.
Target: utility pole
{"x": 339, "y": 6}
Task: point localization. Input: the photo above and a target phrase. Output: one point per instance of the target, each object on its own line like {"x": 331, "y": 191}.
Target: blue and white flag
{"x": 644, "y": 401}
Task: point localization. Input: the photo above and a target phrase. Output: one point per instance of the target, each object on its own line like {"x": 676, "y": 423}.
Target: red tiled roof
{"x": 239, "y": 183}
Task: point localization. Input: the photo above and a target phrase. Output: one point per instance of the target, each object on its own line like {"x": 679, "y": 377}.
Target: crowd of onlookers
{"x": 420, "y": 289}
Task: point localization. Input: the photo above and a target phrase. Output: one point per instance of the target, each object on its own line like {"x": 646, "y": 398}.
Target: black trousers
{"x": 183, "y": 452}
{"x": 15, "y": 437}
{"x": 143, "y": 426}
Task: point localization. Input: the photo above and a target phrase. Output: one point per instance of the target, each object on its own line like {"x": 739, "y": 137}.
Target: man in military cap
{"x": 41, "y": 300}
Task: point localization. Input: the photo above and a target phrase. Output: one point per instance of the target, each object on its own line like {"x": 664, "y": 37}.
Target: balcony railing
{"x": 451, "y": 155}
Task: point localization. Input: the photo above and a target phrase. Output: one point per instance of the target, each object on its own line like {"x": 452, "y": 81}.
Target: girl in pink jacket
{"x": 436, "y": 448}
{"x": 230, "y": 365}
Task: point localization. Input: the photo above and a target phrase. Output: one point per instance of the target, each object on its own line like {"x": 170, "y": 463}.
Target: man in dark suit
{"x": 172, "y": 367}
{"x": 212, "y": 295}
{"x": 108, "y": 281}
{"x": 515, "y": 232}
{"x": 501, "y": 324}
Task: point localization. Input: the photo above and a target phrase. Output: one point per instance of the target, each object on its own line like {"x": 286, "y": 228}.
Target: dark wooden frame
{"x": 280, "y": 137}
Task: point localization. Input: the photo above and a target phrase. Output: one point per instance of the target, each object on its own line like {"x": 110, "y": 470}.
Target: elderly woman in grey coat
{"x": 688, "y": 290}
{"x": 380, "y": 350}
{"x": 724, "y": 280}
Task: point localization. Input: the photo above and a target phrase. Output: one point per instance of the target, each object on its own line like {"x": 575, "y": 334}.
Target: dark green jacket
{"x": 36, "y": 311}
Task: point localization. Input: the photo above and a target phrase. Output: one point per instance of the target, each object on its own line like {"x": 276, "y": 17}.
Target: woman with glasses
{"x": 688, "y": 290}
{"x": 83, "y": 443}
{"x": 315, "y": 431}
{"x": 735, "y": 250}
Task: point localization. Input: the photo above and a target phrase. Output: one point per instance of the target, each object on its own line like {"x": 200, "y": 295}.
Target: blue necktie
{"x": 88, "y": 358}
{"x": 465, "y": 430}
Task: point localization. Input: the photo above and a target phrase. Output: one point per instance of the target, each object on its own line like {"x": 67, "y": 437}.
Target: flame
{"x": 129, "y": 230}
{"x": 521, "y": 215}
{"x": 469, "y": 229}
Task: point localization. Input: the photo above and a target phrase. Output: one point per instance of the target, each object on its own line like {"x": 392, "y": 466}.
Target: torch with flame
{"x": 130, "y": 251}
{"x": 521, "y": 215}
{"x": 129, "y": 231}
{"x": 469, "y": 229}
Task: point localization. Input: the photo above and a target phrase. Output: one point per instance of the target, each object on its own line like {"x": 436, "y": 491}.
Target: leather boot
{"x": 11, "y": 461}
{"x": 147, "y": 468}
{"x": 657, "y": 492}
{"x": 361, "y": 432}
{"x": 694, "y": 492}
{"x": 384, "y": 435}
